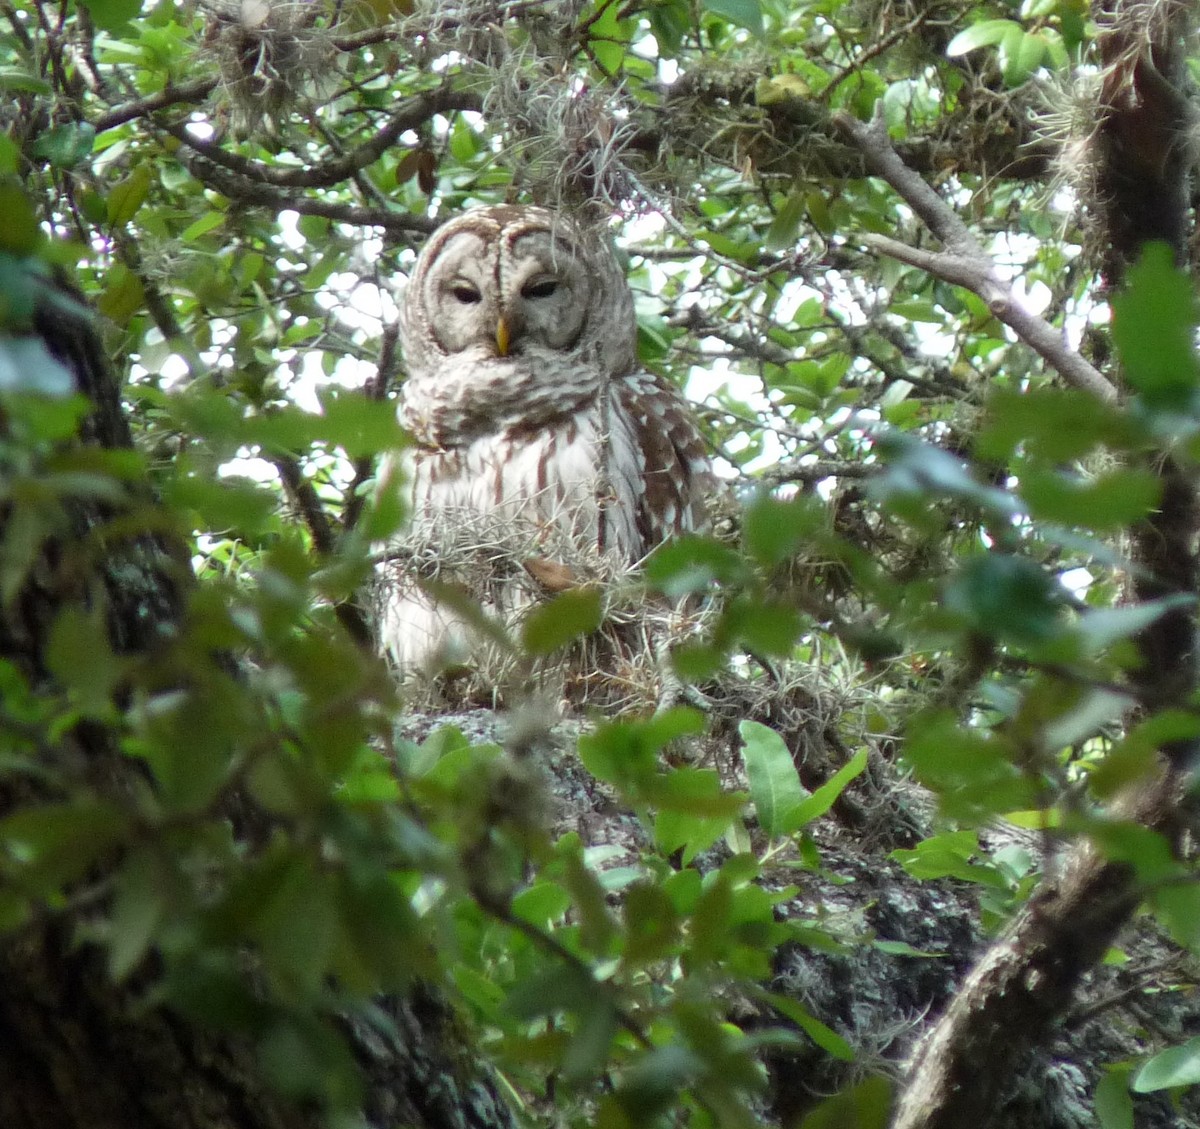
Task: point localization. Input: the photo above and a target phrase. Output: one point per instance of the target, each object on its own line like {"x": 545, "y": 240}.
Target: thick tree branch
{"x": 964, "y": 261}
{"x": 1026, "y": 979}
{"x": 170, "y": 96}
{"x": 412, "y": 112}
{"x": 80, "y": 1047}
{"x": 244, "y": 191}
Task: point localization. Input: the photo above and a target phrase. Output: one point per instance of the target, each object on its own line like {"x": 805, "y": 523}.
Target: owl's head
{"x": 512, "y": 288}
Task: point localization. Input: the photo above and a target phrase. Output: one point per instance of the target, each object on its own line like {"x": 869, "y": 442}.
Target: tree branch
{"x": 170, "y": 96}
{"x": 1026, "y": 979}
{"x": 263, "y": 195}
{"x": 376, "y": 389}
{"x": 411, "y": 113}
{"x": 321, "y": 528}
{"x": 964, "y": 261}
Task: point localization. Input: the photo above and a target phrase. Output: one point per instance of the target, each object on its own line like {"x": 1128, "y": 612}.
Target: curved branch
{"x": 244, "y": 191}
{"x": 411, "y": 113}
{"x": 1027, "y": 979}
{"x": 169, "y": 96}
{"x": 964, "y": 261}
{"x": 201, "y": 88}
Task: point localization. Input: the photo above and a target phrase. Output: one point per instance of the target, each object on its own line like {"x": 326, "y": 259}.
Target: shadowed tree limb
{"x": 1027, "y": 979}
{"x": 413, "y": 112}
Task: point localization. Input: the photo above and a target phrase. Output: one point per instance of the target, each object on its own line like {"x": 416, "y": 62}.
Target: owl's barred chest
{"x": 554, "y": 478}
{"x": 482, "y": 396}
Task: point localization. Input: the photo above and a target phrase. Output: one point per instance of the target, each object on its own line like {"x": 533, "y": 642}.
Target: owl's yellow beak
{"x": 503, "y": 336}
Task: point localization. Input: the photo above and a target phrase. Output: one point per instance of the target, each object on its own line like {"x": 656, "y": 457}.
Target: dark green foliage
{"x": 209, "y": 789}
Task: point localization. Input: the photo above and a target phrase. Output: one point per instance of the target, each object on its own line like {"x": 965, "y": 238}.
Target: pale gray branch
{"x": 964, "y": 262}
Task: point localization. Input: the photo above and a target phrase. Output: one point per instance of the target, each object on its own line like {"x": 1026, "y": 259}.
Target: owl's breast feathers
{"x": 622, "y": 470}
{"x": 456, "y": 405}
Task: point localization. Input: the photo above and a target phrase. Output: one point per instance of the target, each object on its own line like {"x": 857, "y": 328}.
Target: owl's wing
{"x": 675, "y": 470}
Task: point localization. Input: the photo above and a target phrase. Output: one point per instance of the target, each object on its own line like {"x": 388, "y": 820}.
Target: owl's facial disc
{"x": 510, "y": 294}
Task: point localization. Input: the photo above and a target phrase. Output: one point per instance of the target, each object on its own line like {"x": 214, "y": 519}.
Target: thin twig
{"x": 320, "y": 526}
{"x": 876, "y": 49}
{"x": 376, "y": 389}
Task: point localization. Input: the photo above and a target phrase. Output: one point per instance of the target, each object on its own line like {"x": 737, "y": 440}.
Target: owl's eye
{"x": 465, "y": 292}
{"x": 539, "y": 288}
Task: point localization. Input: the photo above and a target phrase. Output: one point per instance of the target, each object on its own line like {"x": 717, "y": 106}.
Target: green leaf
{"x": 917, "y": 471}
{"x": 1154, "y": 324}
{"x": 1176, "y": 1066}
{"x": 79, "y": 656}
{"x": 655, "y": 1079}
{"x": 10, "y": 151}
{"x": 21, "y": 81}
{"x": 128, "y": 195}
{"x": 54, "y": 844}
{"x": 588, "y": 1049}
{"x": 626, "y": 752}
{"x": 609, "y": 36}
{"x": 694, "y": 811}
{"x": 774, "y": 529}
{"x": 596, "y": 925}
{"x": 1021, "y": 53}
{"x": 824, "y": 1037}
{"x": 742, "y": 13}
{"x": 138, "y": 908}
{"x": 775, "y": 787}
{"x": 205, "y": 223}
{"x": 786, "y": 225}
{"x": 1100, "y": 628}
{"x": 1112, "y": 1101}
{"x": 1053, "y": 424}
{"x": 559, "y": 988}
{"x": 1007, "y": 597}
{"x": 567, "y": 616}
{"x": 691, "y": 564}
{"x": 309, "y": 1062}
{"x": 19, "y": 230}
{"x": 359, "y": 425}
{"x": 224, "y": 504}
{"x": 971, "y": 770}
{"x": 113, "y": 15}
{"x": 983, "y": 34}
{"x": 64, "y": 146}
{"x": 763, "y": 627}
{"x": 1106, "y": 503}
{"x": 651, "y": 925}
{"x": 866, "y": 1105}
{"x": 300, "y": 891}
{"x": 1177, "y": 905}
{"x": 904, "y": 949}
{"x": 824, "y": 797}
{"x": 948, "y": 855}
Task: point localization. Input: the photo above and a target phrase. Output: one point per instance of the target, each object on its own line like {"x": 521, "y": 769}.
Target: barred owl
{"x": 535, "y": 434}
